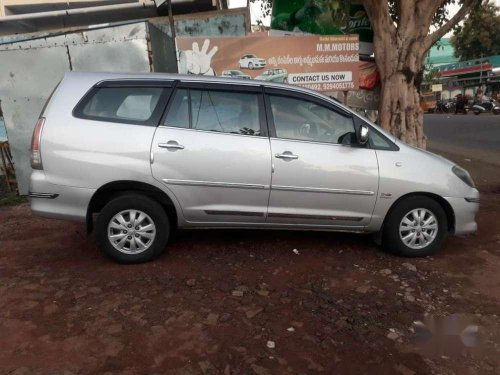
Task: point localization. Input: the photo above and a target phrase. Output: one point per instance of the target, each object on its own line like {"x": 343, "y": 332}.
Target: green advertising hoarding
{"x": 323, "y": 17}
{"x": 359, "y": 22}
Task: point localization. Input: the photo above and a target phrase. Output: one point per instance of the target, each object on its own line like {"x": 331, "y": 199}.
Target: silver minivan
{"x": 138, "y": 155}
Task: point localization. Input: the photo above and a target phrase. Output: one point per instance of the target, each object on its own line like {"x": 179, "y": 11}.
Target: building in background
{"x": 452, "y": 76}
{"x": 440, "y": 54}
{"x": 29, "y": 16}
{"x": 467, "y": 77}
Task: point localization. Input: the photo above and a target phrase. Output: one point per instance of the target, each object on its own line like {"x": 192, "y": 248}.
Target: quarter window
{"x": 122, "y": 104}
{"x": 378, "y": 142}
{"x": 308, "y": 121}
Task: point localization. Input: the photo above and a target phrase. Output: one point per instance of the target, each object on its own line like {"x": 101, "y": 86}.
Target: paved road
{"x": 469, "y": 135}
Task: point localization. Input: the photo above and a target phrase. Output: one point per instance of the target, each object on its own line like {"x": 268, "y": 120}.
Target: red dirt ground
{"x": 216, "y": 299}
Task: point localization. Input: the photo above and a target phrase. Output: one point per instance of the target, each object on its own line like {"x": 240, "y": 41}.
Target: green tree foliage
{"x": 479, "y": 34}
{"x": 440, "y": 17}
{"x": 430, "y": 74}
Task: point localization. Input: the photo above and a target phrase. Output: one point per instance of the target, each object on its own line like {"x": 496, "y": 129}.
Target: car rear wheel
{"x": 132, "y": 228}
{"x": 415, "y": 227}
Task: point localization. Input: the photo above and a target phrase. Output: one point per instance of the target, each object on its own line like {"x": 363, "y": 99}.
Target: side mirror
{"x": 364, "y": 134}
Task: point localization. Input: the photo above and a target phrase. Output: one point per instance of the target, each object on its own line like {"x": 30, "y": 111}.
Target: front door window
{"x": 304, "y": 120}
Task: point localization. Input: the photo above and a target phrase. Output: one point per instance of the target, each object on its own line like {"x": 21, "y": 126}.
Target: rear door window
{"x": 178, "y": 115}
{"x": 214, "y": 110}
{"x": 131, "y": 105}
{"x": 226, "y": 112}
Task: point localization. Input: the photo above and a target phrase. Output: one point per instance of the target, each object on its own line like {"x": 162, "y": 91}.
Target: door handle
{"x": 286, "y": 155}
{"x": 171, "y": 145}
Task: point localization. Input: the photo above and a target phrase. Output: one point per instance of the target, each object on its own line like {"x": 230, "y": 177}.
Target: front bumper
{"x": 57, "y": 201}
{"x": 465, "y": 210}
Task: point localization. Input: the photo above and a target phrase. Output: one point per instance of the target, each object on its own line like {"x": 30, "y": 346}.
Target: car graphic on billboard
{"x": 274, "y": 75}
{"x": 235, "y": 74}
{"x": 252, "y": 62}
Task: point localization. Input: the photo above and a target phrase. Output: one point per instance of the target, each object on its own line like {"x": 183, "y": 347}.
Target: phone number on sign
{"x": 329, "y": 86}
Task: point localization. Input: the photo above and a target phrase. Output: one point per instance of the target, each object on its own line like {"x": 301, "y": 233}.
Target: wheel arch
{"x": 450, "y": 215}
{"x": 112, "y": 189}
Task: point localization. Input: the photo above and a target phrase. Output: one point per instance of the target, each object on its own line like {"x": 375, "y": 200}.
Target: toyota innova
{"x": 138, "y": 155}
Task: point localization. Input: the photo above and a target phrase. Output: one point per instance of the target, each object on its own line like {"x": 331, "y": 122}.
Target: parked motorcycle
{"x": 461, "y": 104}
{"x": 486, "y": 106}
{"x": 444, "y": 107}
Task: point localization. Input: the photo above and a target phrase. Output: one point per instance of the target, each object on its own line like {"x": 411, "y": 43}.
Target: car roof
{"x": 99, "y": 77}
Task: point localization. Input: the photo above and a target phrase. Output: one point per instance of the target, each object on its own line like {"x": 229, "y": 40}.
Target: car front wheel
{"x": 415, "y": 227}
{"x": 132, "y": 228}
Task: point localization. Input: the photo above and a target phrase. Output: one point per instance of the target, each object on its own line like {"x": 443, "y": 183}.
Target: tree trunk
{"x": 399, "y": 54}
{"x": 399, "y": 110}
{"x": 400, "y": 47}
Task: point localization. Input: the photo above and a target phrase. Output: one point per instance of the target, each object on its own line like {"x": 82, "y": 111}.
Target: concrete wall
{"x": 232, "y": 22}
{"x": 229, "y": 22}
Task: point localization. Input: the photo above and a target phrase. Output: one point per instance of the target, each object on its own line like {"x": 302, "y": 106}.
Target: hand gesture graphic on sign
{"x": 198, "y": 61}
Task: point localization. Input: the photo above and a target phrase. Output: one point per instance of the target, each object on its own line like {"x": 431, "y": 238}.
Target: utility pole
{"x": 481, "y": 72}
{"x": 347, "y": 9}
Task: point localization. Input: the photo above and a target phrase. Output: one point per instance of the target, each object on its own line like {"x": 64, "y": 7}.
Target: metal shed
{"x": 31, "y": 68}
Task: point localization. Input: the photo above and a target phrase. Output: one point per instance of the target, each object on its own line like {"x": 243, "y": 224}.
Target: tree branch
{"x": 439, "y": 33}
{"x": 428, "y": 9}
{"x": 378, "y": 13}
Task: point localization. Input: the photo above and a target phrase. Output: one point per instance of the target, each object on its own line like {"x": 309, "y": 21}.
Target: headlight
{"x": 463, "y": 175}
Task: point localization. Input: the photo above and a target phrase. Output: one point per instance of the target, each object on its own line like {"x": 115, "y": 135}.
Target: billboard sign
{"x": 360, "y": 24}
{"x": 437, "y": 87}
{"x": 321, "y": 63}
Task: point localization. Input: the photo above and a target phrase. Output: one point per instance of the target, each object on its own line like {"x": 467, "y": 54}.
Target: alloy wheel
{"x": 131, "y": 231}
{"x": 418, "y": 228}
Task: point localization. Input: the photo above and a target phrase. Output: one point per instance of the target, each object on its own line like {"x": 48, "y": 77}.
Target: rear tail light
{"x": 36, "y": 152}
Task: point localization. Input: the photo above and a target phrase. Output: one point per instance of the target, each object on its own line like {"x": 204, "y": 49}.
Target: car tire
{"x": 250, "y": 65}
{"x": 400, "y": 229}
{"x": 150, "y": 230}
